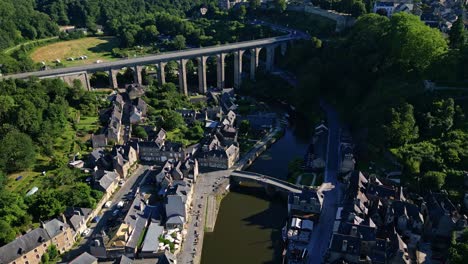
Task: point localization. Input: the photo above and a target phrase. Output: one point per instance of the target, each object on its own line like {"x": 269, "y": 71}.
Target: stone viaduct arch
{"x": 201, "y": 55}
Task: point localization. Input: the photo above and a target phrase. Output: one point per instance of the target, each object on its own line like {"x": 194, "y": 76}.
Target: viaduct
{"x": 82, "y": 73}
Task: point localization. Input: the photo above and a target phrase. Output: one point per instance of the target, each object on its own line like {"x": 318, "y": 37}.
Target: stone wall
{"x": 342, "y": 20}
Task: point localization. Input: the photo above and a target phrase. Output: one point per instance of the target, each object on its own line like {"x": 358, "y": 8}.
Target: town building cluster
{"x": 149, "y": 223}
{"x": 437, "y": 14}
{"x": 378, "y": 222}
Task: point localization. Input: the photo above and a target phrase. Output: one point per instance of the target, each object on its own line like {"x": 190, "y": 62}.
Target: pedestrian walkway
{"x": 211, "y": 213}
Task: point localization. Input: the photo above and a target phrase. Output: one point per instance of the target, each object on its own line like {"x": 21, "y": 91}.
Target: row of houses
{"x": 126, "y": 108}
{"x": 29, "y": 248}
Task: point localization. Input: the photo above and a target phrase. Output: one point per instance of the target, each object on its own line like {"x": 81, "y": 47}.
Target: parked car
{"x": 107, "y": 204}
{"x": 86, "y": 232}
{"x": 115, "y": 213}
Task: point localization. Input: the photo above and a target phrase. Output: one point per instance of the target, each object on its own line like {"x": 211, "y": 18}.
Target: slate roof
{"x": 175, "y": 220}
{"x": 99, "y": 140}
{"x": 438, "y": 205}
{"x": 166, "y": 258}
{"x": 75, "y": 221}
{"x": 366, "y": 233}
{"x": 383, "y": 191}
{"x": 23, "y": 244}
{"x": 151, "y": 242}
{"x": 306, "y": 195}
{"x": 54, "y": 227}
{"x": 124, "y": 260}
{"x": 107, "y": 179}
{"x": 141, "y": 105}
{"x": 345, "y": 244}
{"x": 84, "y": 258}
{"x": 405, "y": 208}
{"x": 70, "y": 211}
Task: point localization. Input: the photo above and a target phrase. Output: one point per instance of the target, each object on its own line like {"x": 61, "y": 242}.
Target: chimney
{"x": 344, "y": 245}
{"x": 353, "y": 231}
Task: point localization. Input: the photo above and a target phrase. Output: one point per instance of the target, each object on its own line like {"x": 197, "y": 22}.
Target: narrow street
{"x": 322, "y": 232}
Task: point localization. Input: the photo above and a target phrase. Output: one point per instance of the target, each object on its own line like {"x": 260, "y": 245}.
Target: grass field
{"x": 96, "y": 48}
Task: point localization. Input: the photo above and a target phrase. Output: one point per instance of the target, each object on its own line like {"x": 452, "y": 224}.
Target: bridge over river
{"x": 267, "y": 181}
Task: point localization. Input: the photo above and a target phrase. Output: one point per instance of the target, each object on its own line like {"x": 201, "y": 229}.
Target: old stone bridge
{"x": 271, "y": 184}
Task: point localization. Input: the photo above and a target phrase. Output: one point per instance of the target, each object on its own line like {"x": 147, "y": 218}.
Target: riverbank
{"x": 208, "y": 194}
{"x": 250, "y": 220}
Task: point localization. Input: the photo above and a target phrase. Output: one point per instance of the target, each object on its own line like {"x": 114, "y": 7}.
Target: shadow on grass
{"x": 43, "y": 167}
{"x": 106, "y": 47}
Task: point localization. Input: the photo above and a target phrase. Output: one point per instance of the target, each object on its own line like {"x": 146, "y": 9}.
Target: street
{"x": 321, "y": 235}
{"x": 131, "y": 183}
{"x": 191, "y": 250}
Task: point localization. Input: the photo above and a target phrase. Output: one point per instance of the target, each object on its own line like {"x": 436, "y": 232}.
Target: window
{"x": 37, "y": 256}
{"x": 35, "y": 250}
{"x": 24, "y": 256}
{"x": 44, "y": 245}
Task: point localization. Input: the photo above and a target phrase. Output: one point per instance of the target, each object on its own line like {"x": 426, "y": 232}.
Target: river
{"x": 248, "y": 227}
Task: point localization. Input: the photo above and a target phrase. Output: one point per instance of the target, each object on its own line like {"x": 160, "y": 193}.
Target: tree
{"x": 46, "y": 204}
{"x": 358, "y": 8}
{"x": 150, "y": 33}
{"x": 17, "y": 152}
{"x": 440, "y": 117}
{"x": 458, "y": 252}
{"x": 53, "y": 252}
{"x": 281, "y": 5}
{"x": 179, "y": 42}
{"x": 457, "y": 34}
{"x": 171, "y": 120}
{"x": 254, "y": 4}
{"x": 433, "y": 180}
{"x": 139, "y": 132}
{"x": 244, "y": 126}
{"x": 414, "y": 45}
{"x": 6, "y": 104}
{"x": 402, "y": 126}
{"x": 45, "y": 258}
{"x": 8, "y": 234}
{"x": 195, "y": 132}
{"x": 242, "y": 11}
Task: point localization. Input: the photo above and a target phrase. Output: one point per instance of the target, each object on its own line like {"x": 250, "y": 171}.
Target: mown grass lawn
{"x": 30, "y": 178}
{"x": 96, "y": 48}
